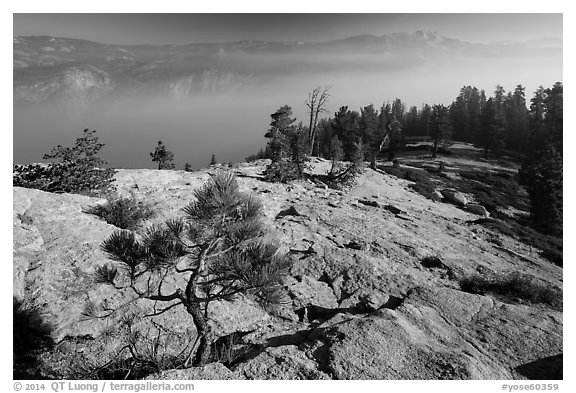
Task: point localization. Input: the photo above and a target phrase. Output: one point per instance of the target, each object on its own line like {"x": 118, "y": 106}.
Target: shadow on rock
{"x": 545, "y": 368}
{"x": 31, "y": 336}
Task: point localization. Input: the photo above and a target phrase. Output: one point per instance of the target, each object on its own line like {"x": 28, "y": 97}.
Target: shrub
{"x": 122, "y": 212}
{"x": 514, "y": 288}
{"x": 281, "y": 171}
{"x": 33, "y": 176}
{"x": 31, "y": 336}
{"x": 78, "y": 169}
{"x": 132, "y": 348}
{"x": 218, "y": 247}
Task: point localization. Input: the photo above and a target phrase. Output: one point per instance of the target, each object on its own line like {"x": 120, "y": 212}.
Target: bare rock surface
{"x": 362, "y": 303}
{"x": 285, "y": 362}
{"x": 212, "y": 371}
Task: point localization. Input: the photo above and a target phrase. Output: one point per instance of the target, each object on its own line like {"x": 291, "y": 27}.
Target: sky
{"x": 193, "y": 28}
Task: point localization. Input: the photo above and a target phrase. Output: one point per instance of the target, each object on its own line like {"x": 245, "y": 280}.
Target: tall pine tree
{"x": 542, "y": 170}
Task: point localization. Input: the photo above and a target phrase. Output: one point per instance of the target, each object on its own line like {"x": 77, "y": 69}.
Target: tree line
{"x": 501, "y": 123}
{"x": 498, "y": 123}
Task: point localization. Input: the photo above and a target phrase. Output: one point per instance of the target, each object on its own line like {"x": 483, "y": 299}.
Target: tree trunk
{"x": 312, "y": 144}
{"x": 202, "y": 355}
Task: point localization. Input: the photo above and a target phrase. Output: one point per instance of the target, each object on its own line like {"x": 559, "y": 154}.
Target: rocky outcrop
{"x": 80, "y": 85}
{"x": 365, "y": 298}
{"x": 207, "y": 81}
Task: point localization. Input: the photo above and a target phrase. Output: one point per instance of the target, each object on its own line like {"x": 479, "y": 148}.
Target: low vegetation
{"x": 31, "y": 336}
{"x": 218, "y": 246}
{"x": 422, "y": 180}
{"x": 341, "y": 174}
{"x": 551, "y": 246}
{"x": 122, "y": 212}
{"x": 493, "y": 190}
{"x": 514, "y": 288}
{"x": 77, "y": 169}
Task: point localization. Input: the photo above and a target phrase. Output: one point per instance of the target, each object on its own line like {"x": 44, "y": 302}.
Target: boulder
{"x": 306, "y": 291}
{"x": 477, "y": 209}
{"x": 454, "y": 197}
{"x": 291, "y": 211}
{"x": 373, "y": 300}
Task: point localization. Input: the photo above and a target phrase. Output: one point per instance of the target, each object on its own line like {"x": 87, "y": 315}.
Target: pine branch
{"x": 156, "y": 313}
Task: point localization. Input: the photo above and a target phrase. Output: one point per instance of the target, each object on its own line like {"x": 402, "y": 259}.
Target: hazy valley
{"x": 135, "y": 95}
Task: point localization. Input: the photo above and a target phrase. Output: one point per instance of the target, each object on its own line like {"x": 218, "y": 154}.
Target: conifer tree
{"x": 542, "y": 170}
{"x": 289, "y": 146}
{"x": 316, "y": 104}
{"x": 217, "y": 247}
{"x": 281, "y": 126}
{"x": 395, "y": 137}
{"x": 516, "y": 119}
{"x": 344, "y": 175}
{"x": 492, "y": 126}
{"x": 163, "y": 157}
{"x": 368, "y": 127}
{"x": 439, "y": 127}
{"x": 78, "y": 169}
{"x": 346, "y": 126}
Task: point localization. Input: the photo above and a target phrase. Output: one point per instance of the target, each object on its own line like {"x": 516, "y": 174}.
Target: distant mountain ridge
{"x": 66, "y": 68}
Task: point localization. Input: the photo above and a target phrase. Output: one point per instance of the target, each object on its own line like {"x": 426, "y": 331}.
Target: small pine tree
{"x": 341, "y": 175}
{"x": 281, "y": 126}
{"x": 289, "y": 147}
{"x": 213, "y": 160}
{"x": 299, "y": 147}
{"x": 188, "y": 167}
{"x": 77, "y": 169}
{"x": 163, "y": 157}
{"x": 218, "y": 247}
